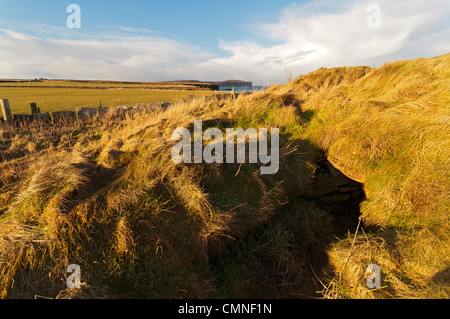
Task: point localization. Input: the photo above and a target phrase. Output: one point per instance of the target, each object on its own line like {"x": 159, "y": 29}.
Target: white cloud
{"x": 320, "y": 33}
{"x": 309, "y": 38}
{"x": 118, "y": 57}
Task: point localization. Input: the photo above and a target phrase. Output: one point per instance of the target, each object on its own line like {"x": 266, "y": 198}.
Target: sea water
{"x": 240, "y": 89}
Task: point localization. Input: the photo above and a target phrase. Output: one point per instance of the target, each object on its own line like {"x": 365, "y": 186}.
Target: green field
{"x": 67, "y": 99}
{"x": 101, "y": 84}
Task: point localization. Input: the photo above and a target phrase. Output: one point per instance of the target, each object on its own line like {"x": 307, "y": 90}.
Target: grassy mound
{"x": 106, "y": 195}
{"x": 388, "y": 128}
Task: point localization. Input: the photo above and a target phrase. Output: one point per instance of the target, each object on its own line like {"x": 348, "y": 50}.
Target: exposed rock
{"x": 102, "y": 111}
{"x": 22, "y": 118}
{"x": 44, "y": 117}
{"x": 332, "y": 199}
{"x": 347, "y": 172}
{"x": 86, "y": 113}
{"x": 331, "y": 186}
{"x": 64, "y": 117}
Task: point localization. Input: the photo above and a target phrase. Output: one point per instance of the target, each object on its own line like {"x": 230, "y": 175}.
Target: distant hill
{"x": 234, "y": 83}
{"x": 219, "y": 83}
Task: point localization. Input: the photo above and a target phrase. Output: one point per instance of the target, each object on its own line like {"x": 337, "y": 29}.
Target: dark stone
{"x": 333, "y": 199}
{"x": 86, "y": 113}
{"x": 44, "y": 117}
{"x": 34, "y": 108}
{"x": 22, "y": 118}
{"x": 102, "y": 110}
{"x": 64, "y": 117}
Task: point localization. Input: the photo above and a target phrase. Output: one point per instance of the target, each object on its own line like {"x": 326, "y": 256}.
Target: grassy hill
{"x": 106, "y": 195}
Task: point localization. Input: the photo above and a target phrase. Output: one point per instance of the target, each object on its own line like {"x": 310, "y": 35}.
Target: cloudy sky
{"x": 210, "y": 40}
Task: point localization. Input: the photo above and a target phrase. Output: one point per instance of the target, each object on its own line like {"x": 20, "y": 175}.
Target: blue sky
{"x": 213, "y": 40}
{"x": 198, "y": 22}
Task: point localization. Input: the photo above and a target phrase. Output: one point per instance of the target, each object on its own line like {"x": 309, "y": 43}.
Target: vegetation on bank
{"x": 105, "y": 195}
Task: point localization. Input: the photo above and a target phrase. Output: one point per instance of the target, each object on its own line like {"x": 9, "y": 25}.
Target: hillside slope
{"x": 389, "y": 129}
{"x": 105, "y": 195}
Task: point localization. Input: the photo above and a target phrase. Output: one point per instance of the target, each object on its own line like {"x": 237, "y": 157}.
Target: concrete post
{"x": 7, "y": 116}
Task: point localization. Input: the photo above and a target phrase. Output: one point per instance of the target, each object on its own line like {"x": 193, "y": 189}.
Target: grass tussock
{"x": 106, "y": 195}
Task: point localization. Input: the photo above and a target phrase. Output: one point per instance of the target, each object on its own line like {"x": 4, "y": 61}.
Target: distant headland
{"x": 227, "y": 83}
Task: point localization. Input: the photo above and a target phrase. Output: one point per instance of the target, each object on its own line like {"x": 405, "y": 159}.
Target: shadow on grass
{"x": 281, "y": 253}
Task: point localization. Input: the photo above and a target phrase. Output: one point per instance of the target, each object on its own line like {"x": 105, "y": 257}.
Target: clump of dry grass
{"x": 153, "y": 223}
{"x": 352, "y": 256}
{"x": 124, "y": 243}
{"x": 30, "y": 226}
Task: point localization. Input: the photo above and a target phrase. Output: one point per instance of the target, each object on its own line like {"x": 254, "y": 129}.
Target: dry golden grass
{"x": 390, "y": 130}
{"x": 106, "y": 195}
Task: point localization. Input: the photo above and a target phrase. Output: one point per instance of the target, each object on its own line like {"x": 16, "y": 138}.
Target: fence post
{"x": 34, "y": 108}
{"x": 7, "y": 116}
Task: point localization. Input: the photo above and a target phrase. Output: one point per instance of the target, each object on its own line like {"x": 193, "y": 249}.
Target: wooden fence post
{"x": 7, "y": 116}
